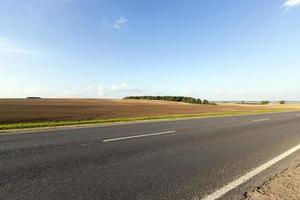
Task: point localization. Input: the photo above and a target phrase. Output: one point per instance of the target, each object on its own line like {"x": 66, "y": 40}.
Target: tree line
{"x": 173, "y": 98}
{"x": 262, "y": 102}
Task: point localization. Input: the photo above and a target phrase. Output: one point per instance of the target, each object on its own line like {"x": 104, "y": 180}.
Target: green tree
{"x": 205, "y": 101}
{"x": 172, "y": 98}
{"x": 265, "y": 102}
{"x": 282, "y": 102}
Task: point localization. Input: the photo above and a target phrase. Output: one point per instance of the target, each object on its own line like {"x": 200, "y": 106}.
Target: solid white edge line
{"x": 137, "y": 136}
{"x": 217, "y": 194}
{"x": 260, "y": 120}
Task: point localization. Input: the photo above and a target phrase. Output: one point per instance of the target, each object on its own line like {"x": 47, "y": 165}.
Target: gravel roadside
{"x": 284, "y": 186}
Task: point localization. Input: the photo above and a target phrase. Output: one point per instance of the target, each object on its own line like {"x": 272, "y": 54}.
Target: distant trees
{"x": 198, "y": 101}
{"x": 33, "y": 97}
{"x": 264, "y": 102}
{"x": 205, "y": 102}
{"x": 173, "y": 98}
{"x": 282, "y": 102}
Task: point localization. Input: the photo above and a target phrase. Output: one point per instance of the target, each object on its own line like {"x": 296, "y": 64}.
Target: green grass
{"x": 116, "y": 120}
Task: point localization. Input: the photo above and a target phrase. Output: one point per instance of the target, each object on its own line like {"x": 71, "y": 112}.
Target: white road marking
{"x": 260, "y": 120}
{"x": 297, "y": 114}
{"x": 84, "y": 144}
{"x": 217, "y": 194}
{"x": 137, "y": 136}
{"x": 59, "y": 147}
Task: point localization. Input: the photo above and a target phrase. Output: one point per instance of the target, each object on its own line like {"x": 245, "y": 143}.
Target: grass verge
{"x": 136, "y": 119}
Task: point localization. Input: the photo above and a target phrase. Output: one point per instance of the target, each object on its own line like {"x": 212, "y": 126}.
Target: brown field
{"x": 41, "y": 110}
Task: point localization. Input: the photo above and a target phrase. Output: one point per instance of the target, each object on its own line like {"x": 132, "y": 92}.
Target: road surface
{"x": 186, "y": 159}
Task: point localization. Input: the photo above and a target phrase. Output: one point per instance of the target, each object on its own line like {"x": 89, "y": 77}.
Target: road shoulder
{"x": 285, "y": 185}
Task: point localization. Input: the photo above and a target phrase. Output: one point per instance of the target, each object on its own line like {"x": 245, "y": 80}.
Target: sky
{"x": 216, "y": 50}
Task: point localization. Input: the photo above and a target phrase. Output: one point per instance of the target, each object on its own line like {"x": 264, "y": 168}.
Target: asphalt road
{"x": 186, "y": 159}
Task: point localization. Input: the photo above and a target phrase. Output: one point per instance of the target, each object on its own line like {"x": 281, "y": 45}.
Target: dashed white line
{"x": 217, "y": 194}
{"x": 137, "y": 136}
{"x": 260, "y": 120}
{"x": 84, "y": 144}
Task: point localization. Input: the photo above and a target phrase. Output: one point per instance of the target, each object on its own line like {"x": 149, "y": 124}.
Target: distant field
{"x": 54, "y": 110}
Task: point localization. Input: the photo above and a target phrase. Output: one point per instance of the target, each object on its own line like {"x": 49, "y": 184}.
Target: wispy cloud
{"x": 8, "y": 46}
{"x": 116, "y": 24}
{"x": 106, "y": 24}
{"x": 291, "y": 3}
{"x": 117, "y": 90}
{"x": 120, "y": 22}
{"x": 120, "y": 87}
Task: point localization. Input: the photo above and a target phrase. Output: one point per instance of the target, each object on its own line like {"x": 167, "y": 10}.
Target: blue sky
{"x": 219, "y": 50}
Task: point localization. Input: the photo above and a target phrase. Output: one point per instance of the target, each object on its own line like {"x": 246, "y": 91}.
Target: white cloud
{"x": 116, "y": 24}
{"x": 120, "y": 87}
{"x": 8, "y": 46}
{"x": 120, "y": 22}
{"x": 117, "y": 90}
{"x": 291, "y": 3}
{"x": 100, "y": 89}
{"x": 67, "y": 93}
{"x": 105, "y": 23}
